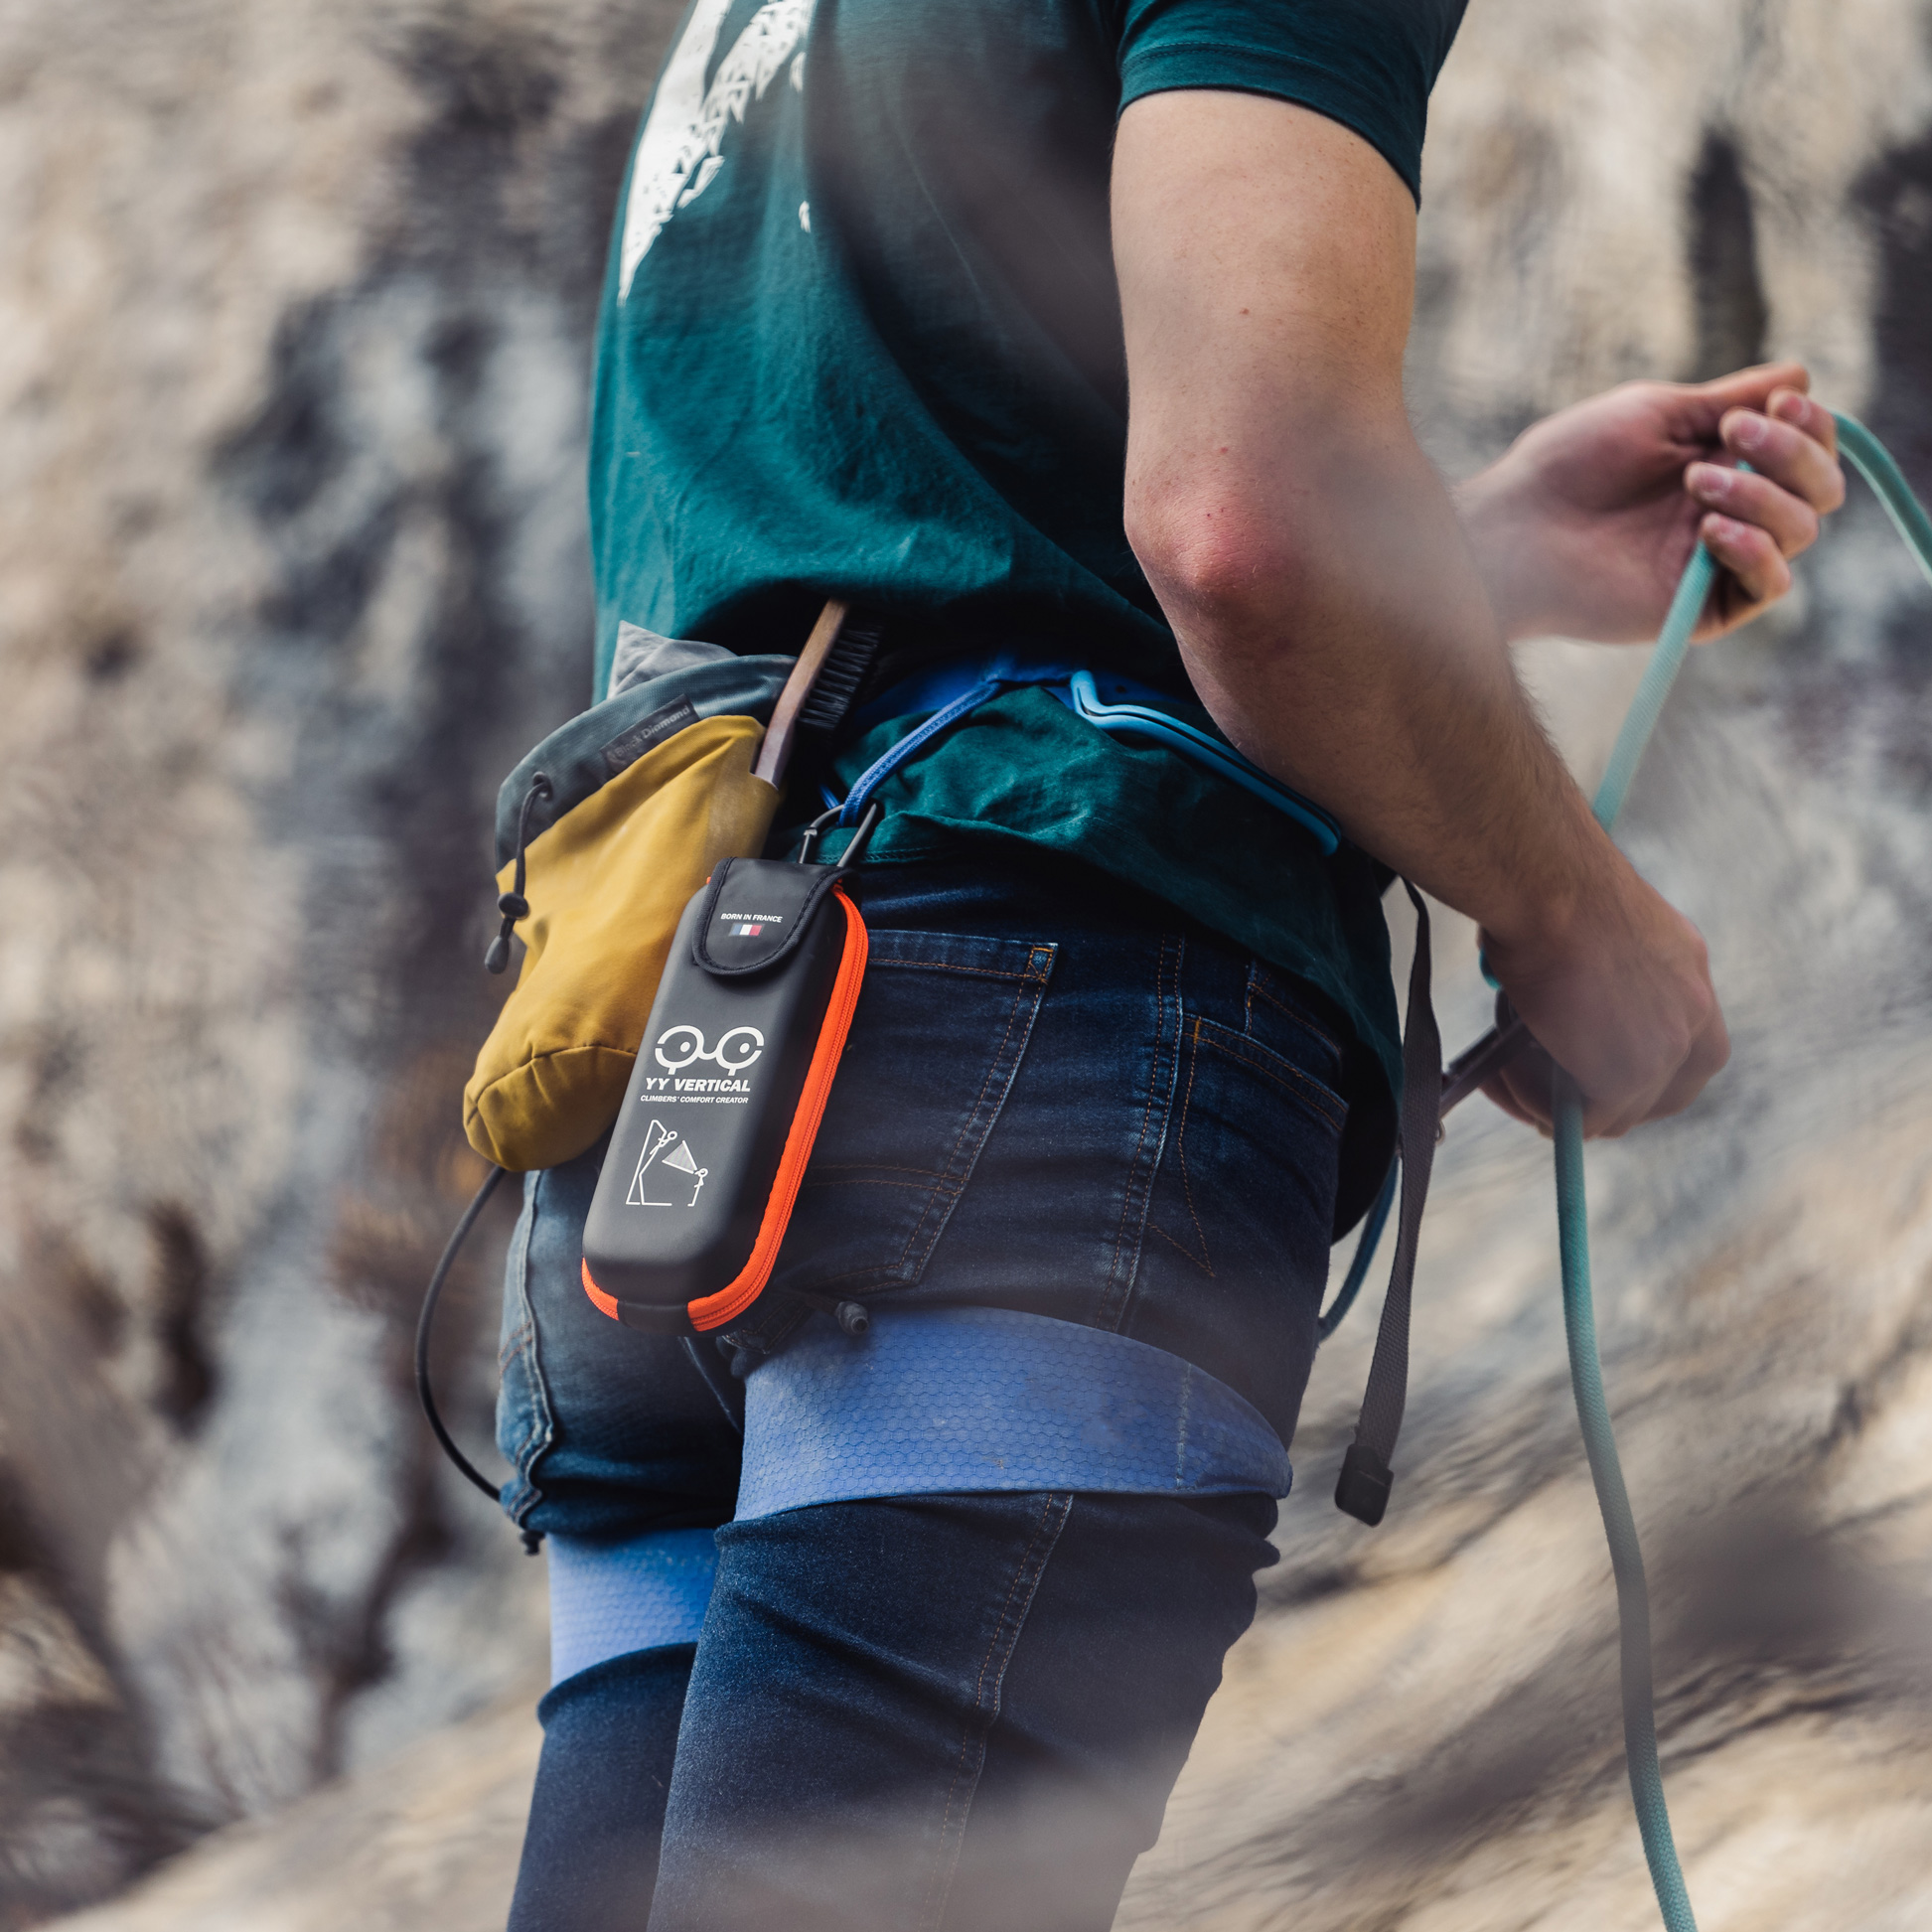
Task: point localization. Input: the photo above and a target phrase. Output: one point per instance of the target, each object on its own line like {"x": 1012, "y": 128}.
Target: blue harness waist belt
{"x": 1125, "y": 709}
{"x": 934, "y": 1401}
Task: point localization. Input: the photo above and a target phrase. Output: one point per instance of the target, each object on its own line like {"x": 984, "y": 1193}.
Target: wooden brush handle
{"x": 776, "y": 752}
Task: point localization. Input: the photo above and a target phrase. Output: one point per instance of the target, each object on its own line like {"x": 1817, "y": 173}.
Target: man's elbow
{"x": 1219, "y": 567}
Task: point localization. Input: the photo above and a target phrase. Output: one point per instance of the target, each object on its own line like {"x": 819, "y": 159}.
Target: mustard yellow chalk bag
{"x": 606, "y": 884}
{"x": 604, "y": 834}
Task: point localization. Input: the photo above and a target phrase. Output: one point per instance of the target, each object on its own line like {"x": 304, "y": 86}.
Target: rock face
{"x": 298, "y": 309}
{"x": 298, "y": 315}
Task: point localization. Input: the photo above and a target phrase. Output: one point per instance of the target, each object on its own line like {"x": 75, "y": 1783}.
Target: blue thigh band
{"x": 932, "y": 1401}
{"x": 607, "y": 1599}
{"x": 938, "y": 1400}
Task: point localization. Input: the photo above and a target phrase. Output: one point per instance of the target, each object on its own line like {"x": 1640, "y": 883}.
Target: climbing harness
{"x": 1126, "y": 710}
{"x": 1238, "y": 1451}
{"x": 1470, "y": 1069}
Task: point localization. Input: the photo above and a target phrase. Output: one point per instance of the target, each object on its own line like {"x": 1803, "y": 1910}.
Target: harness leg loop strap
{"x": 608, "y": 1600}
{"x": 1367, "y": 1469}
{"x": 974, "y": 1401}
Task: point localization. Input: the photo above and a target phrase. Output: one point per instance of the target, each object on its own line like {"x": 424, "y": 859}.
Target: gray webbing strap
{"x": 1368, "y": 1472}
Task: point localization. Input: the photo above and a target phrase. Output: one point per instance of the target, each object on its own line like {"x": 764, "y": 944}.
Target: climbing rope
{"x": 1872, "y": 462}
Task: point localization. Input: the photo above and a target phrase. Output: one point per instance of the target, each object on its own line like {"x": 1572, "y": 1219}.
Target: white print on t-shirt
{"x": 681, "y": 148}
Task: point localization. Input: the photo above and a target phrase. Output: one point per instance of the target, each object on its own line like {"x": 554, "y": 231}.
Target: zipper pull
{"x": 512, "y": 905}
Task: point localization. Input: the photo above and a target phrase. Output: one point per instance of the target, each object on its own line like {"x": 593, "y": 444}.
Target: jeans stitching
{"x": 1056, "y": 1508}
{"x": 945, "y": 1188}
{"x": 1028, "y": 974}
{"x": 512, "y": 1345}
{"x": 875, "y": 1167}
{"x": 1204, "y": 1258}
{"x": 1289, "y": 1009}
{"x": 965, "y": 1133}
{"x": 1179, "y": 1248}
{"x": 928, "y": 1187}
{"x": 950, "y": 1182}
{"x": 1273, "y": 1068}
{"x": 541, "y": 1433}
{"x": 1141, "y": 1171}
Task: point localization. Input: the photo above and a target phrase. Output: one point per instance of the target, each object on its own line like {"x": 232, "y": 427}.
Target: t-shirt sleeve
{"x": 1368, "y": 63}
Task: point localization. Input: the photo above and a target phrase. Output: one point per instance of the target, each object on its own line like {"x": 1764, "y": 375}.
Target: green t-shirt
{"x": 861, "y": 334}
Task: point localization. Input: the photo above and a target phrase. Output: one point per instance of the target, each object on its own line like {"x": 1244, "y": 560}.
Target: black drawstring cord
{"x": 511, "y": 904}
{"x": 424, "y": 1395}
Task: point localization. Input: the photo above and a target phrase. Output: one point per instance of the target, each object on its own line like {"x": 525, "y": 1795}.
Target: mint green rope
{"x": 1875, "y": 463}
{"x": 1666, "y": 661}
{"x": 1620, "y": 1526}
{"x": 1579, "y": 1314}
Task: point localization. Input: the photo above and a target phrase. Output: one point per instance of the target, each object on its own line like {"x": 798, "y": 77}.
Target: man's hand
{"x": 1582, "y": 528}
{"x": 1623, "y": 1002}
{"x": 1328, "y": 608}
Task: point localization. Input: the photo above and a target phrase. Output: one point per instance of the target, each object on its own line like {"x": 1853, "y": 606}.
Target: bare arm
{"x": 1327, "y": 603}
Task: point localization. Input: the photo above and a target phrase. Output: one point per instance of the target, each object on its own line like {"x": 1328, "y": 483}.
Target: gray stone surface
{"x": 291, "y": 384}
{"x": 292, "y": 380}
{"x": 430, "y": 1839}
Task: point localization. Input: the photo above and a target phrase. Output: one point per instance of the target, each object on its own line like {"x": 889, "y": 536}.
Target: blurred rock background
{"x": 294, "y": 342}
{"x": 297, "y": 302}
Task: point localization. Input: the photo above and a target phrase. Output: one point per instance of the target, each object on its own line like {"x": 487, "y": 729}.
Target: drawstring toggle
{"x": 511, "y": 904}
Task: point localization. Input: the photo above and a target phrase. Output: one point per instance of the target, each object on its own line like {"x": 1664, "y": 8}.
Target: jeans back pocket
{"x": 941, "y": 1028}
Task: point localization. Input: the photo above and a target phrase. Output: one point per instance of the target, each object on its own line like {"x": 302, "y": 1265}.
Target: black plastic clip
{"x": 855, "y": 1317}
{"x": 1361, "y": 1489}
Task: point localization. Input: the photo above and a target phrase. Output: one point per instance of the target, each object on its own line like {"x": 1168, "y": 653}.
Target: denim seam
{"x": 1054, "y": 1510}
{"x": 541, "y": 1433}
{"x": 873, "y": 1168}
{"x": 941, "y": 1182}
{"x": 1119, "y": 1291}
{"x": 980, "y": 1119}
{"x": 931, "y": 1185}
{"x": 1288, "y": 1009}
{"x": 1179, "y": 1248}
{"x": 1024, "y": 975}
{"x": 1204, "y": 1260}
{"x": 904, "y": 1272}
{"x": 1284, "y": 1073}
{"x": 514, "y": 1344}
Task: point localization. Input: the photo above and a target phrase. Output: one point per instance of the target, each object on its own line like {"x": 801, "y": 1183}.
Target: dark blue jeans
{"x": 955, "y": 1712}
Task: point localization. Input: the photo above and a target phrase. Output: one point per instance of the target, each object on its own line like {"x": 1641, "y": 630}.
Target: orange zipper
{"x": 714, "y": 1310}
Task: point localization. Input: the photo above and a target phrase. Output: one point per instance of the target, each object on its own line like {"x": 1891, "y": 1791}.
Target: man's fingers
{"x": 1789, "y": 520}
{"x": 1612, "y": 1122}
{"x": 1505, "y": 1096}
{"x": 1787, "y": 454}
{"x": 1705, "y": 404}
{"x": 1752, "y": 557}
{"x": 1710, "y": 1053}
{"x": 1762, "y": 516}
{"x": 1707, "y": 1059}
{"x": 1802, "y": 413}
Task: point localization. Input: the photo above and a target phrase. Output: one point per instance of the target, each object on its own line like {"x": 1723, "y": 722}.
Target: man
{"x": 1064, "y": 332}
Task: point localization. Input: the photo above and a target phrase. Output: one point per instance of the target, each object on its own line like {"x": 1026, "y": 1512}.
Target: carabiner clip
{"x": 868, "y": 823}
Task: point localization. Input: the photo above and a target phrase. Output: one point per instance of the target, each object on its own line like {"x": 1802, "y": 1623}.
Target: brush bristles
{"x": 839, "y": 677}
